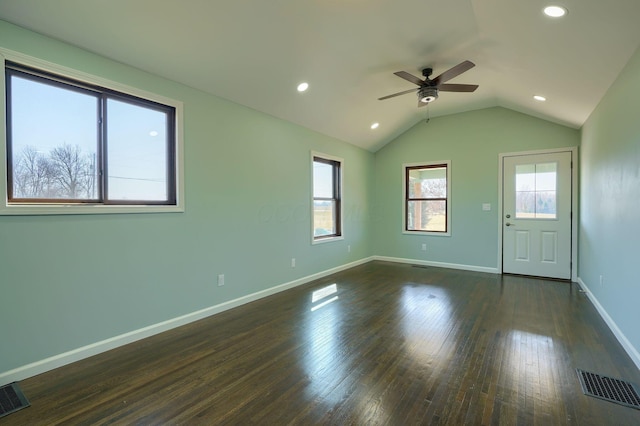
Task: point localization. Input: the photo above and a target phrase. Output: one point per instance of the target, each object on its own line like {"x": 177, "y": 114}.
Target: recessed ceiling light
{"x": 555, "y": 11}
{"x": 302, "y": 87}
{"x": 153, "y": 133}
{"x": 375, "y": 126}
{"x": 539, "y": 98}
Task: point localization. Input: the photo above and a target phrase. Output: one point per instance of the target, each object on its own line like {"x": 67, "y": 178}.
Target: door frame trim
{"x": 574, "y": 201}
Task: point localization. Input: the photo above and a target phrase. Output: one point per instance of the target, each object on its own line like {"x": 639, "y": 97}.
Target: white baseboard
{"x": 626, "y": 344}
{"x": 438, "y": 264}
{"x": 47, "y": 364}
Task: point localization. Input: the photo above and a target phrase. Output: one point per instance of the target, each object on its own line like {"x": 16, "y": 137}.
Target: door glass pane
{"x": 54, "y": 139}
{"x": 536, "y": 191}
{"x": 525, "y": 204}
{"x": 324, "y": 218}
{"x": 137, "y": 152}
{"x": 429, "y": 215}
{"x": 525, "y": 177}
{"x": 428, "y": 182}
{"x": 546, "y": 205}
{"x": 546, "y": 177}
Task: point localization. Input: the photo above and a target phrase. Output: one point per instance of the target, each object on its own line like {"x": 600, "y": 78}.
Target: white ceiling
{"x": 255, "y": 52}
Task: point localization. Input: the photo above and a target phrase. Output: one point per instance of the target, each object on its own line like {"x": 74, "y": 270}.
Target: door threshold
{"x": 562, "y": 280}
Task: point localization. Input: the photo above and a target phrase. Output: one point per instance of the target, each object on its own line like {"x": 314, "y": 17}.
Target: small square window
{"x": 536, "y": 191}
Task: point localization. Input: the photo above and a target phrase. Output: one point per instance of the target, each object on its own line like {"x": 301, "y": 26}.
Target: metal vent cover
{"x": 11, "y": 399}
{"x": 610, "y": 389}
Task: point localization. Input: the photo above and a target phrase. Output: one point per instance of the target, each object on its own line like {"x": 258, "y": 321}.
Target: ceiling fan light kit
{"x": 429, "y": 89}
{"x": 427, "y": 94}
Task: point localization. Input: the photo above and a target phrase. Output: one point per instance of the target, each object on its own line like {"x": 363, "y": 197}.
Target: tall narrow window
{"x": 327, "y": 210}
{"x": 70, "y": 142}
{"x": 427, "y": 198}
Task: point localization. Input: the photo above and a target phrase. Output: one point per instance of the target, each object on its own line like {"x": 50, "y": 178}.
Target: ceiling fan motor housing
{"x": 428, "y": 94}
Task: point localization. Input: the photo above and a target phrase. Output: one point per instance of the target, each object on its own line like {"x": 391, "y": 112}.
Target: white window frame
{"x": 7, "y": 208}
{"x": 447, "y": 163}
{"x": 339, "y": 160}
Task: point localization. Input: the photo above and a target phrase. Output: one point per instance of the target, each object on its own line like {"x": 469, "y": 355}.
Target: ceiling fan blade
{"x": 457, "y": 87}
{"x": 454, "y": 72}
{"x": 409, "y": 77}
{"x": 397, "y": 94}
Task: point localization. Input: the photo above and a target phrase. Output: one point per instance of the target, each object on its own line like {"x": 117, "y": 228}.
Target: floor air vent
{"x": 11, "y": 399}
{"x": 609, "y": 389}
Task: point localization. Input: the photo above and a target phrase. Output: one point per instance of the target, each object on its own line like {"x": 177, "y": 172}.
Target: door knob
{"x": 510, "y": 224}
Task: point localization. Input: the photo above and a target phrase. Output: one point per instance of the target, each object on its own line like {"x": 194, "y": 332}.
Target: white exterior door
{"x": 536, "y": 211}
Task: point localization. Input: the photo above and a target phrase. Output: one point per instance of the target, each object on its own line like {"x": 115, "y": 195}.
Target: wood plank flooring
{"x": 393, "y": 345}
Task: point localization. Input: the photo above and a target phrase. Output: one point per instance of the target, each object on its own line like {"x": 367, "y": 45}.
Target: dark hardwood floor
{"x": 395, "y": 345}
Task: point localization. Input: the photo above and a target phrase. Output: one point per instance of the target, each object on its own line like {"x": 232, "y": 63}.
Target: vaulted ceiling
{"x": 255, "y": 53}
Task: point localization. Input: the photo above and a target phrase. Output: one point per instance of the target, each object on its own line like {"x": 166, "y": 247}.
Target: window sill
{"x": 326, "y": 240}
{"x": 427, "y": 233}
{"x": 62, "y": 209}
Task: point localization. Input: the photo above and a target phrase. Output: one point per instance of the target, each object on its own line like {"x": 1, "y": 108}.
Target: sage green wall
{"x": 69, "y": 281}
{"x": 472, "y": 141}
{"x": 610, "y": 202}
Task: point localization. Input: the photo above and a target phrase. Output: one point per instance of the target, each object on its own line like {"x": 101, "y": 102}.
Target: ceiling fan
{"x": 428, "y": 89}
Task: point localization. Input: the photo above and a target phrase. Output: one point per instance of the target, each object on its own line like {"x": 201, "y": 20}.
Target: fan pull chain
{"x": 428, "y": 114}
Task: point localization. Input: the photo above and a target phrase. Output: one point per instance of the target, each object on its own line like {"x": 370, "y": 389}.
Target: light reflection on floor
{"x": 323, "y": 293}
{"x": 529, "y": 363}
{"x": 323, "y": 341}
{"x": 426, "y": 322}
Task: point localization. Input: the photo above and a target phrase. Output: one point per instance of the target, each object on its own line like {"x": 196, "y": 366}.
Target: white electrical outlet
{"x": 348, "y": 249}
{"x": 293, "y": 262}
{"x": 220, "y": 280}
{"x": 424, "y": 247}
{"x": 601, "y": 280}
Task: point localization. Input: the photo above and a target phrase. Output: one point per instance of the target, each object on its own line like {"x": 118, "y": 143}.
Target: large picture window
{"x": 327, "y": 198}
{"x": 73, "y": 143}
{"x": 427, "y": 195}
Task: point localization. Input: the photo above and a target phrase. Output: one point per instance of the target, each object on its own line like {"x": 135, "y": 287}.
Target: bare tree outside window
{"x": 65, "y": 172}
{"x": 72, "y": 171}
{"x": 32, "y": 174}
